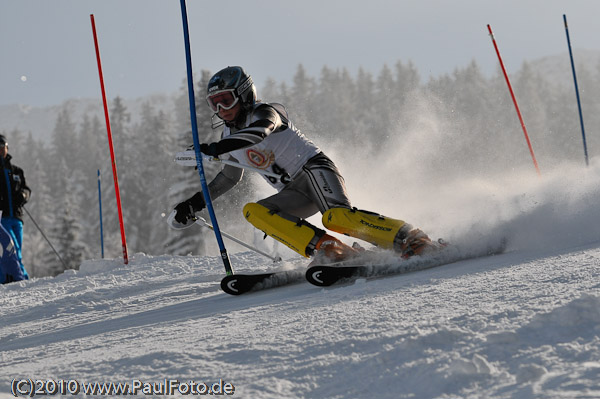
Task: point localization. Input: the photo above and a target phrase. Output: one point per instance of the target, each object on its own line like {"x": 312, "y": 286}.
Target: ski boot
{"x": 410, "y": 242}
{"x": 381, "y": 231}
{"x": 331, "y": 250}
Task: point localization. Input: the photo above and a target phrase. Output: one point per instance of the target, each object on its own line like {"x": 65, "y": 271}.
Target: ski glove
{"x": 186, "y": 209}
{"x": 184, "y": 213}
{"x": 210, "y": 149}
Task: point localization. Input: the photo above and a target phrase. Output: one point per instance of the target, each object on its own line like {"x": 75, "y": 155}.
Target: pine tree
{"x": 531, "y": 97}
{"x": 92, "y": 156}
{"x": 301, "y": 102}
{"x": 66, "y": 232}
{"x": 407, "y": 92}
{"x": 60, "y": 164}
{"x": 366, "y": 115}
{"x": 147, "y": 195}
{"x": 63, "y": 146}
{"x": 270, "y": 91}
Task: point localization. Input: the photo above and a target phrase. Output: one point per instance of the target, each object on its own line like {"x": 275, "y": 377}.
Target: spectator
{"x": 14, "y": 194}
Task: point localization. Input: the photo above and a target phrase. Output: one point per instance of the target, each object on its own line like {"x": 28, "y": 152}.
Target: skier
{"x": 261, "y": 135}
{"x": 14, "y": 194}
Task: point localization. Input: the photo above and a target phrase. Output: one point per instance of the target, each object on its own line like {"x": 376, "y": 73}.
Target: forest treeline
{"x": 467, "y": 120}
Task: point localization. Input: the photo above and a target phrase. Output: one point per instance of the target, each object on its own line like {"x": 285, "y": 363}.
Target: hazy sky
{"x": 47, "y": 49}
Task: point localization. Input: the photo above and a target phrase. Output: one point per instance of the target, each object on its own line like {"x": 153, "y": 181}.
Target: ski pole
{"x": 192, "y": 101}
{"x": 188, "y": 158}
{"x": 47, "y": 240}
{"x": 204, "y": 223}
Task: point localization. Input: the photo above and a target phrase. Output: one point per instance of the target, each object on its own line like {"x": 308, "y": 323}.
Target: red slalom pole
{"x": 512, "y": 94}
{"x": 110, "y": 142}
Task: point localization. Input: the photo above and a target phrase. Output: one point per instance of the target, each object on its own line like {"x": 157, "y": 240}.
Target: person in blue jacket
{"x": 14, "y": 194}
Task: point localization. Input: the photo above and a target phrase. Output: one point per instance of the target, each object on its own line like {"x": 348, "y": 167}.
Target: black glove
{"x": 186, "y": 209}
{"x": 210, "y": 149}
{"x": 184, "y": 213}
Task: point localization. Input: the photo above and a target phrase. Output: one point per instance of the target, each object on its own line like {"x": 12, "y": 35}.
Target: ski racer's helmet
{"x": 228, "y": 86}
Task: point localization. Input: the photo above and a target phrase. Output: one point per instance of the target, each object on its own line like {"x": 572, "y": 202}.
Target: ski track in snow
{"x": 524, "y": 324}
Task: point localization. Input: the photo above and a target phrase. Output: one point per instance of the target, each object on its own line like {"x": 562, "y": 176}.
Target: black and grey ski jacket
{"x": 14, "y": 192}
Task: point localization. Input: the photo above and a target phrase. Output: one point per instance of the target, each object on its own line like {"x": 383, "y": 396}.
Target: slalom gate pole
{"x": 100, "y": 209}
{"x": 192, "y": 101}
{"x": 110, "y": 143}
{"x": 585, "y": 151}
{"x": 46, "y": 238}
{"x": 512, "y": 94}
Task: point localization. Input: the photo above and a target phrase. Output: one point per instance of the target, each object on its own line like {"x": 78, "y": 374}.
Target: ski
{"x": 326, "y": 275}
{"x": 237, "y": 284}
{"x": 349, "y": 271}
{"x": 371, "y": 264}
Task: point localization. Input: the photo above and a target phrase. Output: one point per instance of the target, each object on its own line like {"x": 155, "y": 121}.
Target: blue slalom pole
{"x": 100, "y": 208}
{"x": 205, "y": 192}
{"x": 587, "y": 162}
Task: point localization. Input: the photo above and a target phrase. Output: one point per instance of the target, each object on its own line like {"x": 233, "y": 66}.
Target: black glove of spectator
{"x": 186, "y": 209}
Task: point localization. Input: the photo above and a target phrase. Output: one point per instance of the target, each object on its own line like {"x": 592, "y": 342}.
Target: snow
{"x": 524, "y": 324}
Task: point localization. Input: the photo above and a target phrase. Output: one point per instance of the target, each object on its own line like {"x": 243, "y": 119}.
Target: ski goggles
{"x": 226, "y": 99}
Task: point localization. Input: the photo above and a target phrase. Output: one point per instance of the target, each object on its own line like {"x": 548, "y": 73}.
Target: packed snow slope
{"x": 524, "y": 324}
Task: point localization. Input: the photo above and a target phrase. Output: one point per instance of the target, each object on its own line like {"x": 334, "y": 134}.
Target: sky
{"x": 47, "y": 49}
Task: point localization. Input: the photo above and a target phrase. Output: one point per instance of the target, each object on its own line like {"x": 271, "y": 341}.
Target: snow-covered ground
{"x": 524, "y": 324}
